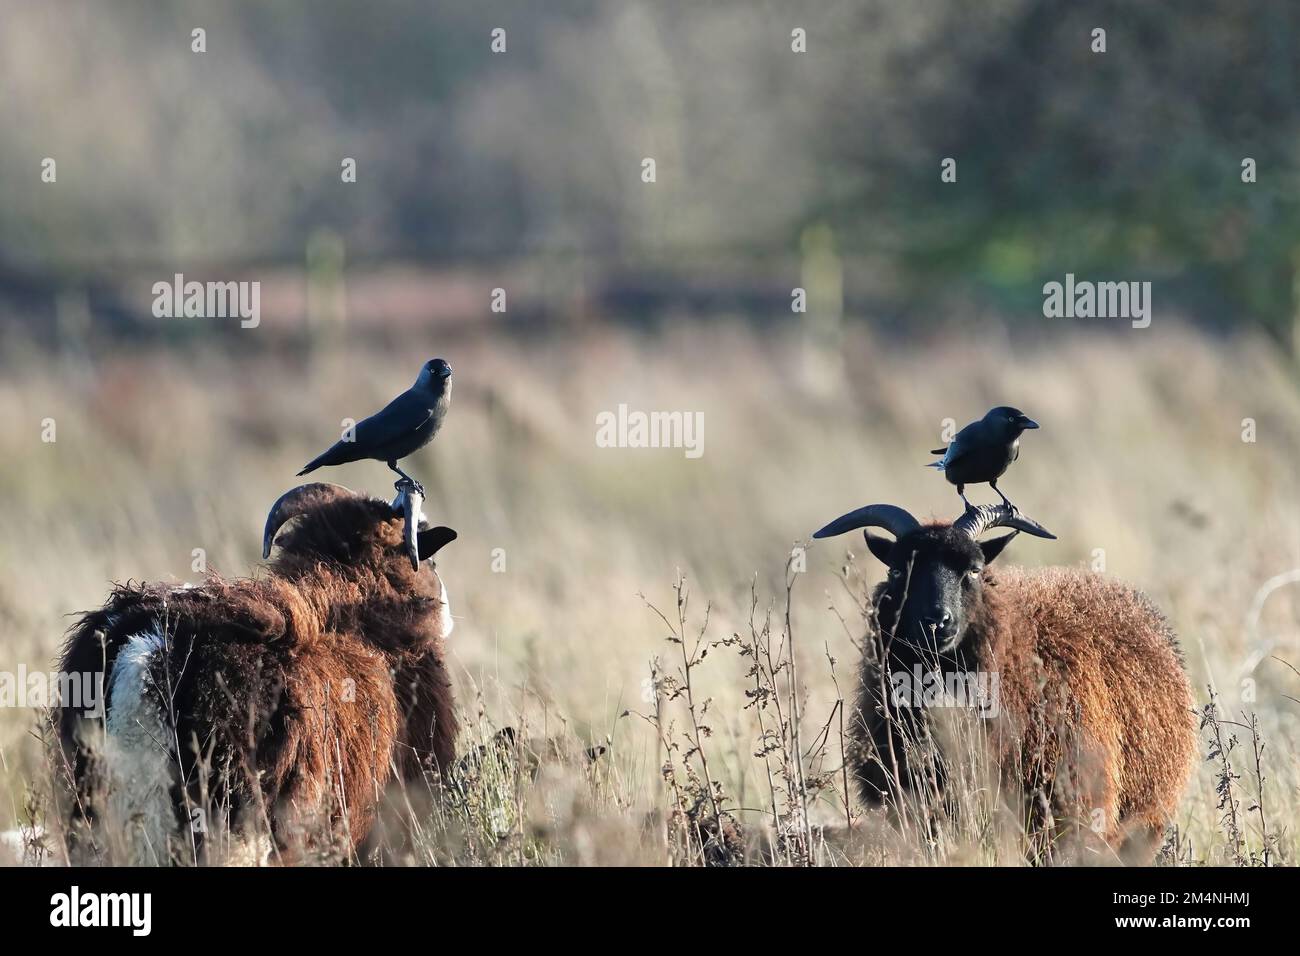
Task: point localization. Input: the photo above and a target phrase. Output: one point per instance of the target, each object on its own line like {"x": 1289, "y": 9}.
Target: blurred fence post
{"x": 71, "y": 319}
{"x": 327, "y": 309}
{"x": 822, "y": 276}
{"x": 1295, "y": 304}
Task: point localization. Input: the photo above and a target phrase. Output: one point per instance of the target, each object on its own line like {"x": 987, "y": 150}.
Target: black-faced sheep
{"x": 1092, "y": 722}
{"x": 274, "y": 702}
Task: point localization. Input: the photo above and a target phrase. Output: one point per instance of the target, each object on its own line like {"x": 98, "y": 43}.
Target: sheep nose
{"x": 938, "y": 619}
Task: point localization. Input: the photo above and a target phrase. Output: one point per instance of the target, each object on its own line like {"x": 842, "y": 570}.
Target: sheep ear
{"x": 432, "y": 540}
{"x": 993, "y": 547}
{"x": 882, "y": 548}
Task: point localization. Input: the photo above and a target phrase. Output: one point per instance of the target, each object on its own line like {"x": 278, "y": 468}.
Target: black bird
{"x": 405, "y": 425}
{"x": 983, "y": 450}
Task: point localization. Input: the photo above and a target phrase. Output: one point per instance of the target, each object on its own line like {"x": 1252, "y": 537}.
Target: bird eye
{"x": 895, "y": 573}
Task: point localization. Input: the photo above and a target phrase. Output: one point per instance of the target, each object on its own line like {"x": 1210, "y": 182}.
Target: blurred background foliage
{"x": 1118, "y": 166}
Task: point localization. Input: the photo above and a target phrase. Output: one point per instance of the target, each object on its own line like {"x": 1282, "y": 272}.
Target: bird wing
{"x": 960, "y": 445}
{"x": 942, "y": 462}
{"x": 396, "y": 420}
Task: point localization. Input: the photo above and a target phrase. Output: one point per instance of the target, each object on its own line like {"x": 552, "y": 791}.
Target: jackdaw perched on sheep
{"x": 275, "y": 708}
{"x": 403, "y": 427}
{"x": 984, "y": 450}
{"x": 1077, "y": 679}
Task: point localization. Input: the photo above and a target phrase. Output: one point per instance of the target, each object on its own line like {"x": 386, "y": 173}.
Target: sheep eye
{"x": 974, "y": 573}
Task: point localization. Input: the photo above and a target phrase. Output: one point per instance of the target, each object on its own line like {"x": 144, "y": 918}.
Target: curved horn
{"x": 978, "y": 520}
{"x": 298, "y": 501}
{"x": 890, "y": 517}
{"x": 409, "y": 503}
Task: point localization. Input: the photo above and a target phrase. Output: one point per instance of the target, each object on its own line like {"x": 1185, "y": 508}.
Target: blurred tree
{"x": 1120, "y": 165}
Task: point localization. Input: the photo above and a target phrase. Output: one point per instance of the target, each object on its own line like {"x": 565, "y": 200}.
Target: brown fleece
{"x": 1094, "y": 696}
{"x": 293, "y": 694}
{"x": 1096, "y": 724}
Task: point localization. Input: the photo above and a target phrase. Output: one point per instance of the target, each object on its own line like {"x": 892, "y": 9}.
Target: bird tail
{"x": 340, "y": 453}
{"x": 315, "y": 463}
{"x": 935, "y": 464}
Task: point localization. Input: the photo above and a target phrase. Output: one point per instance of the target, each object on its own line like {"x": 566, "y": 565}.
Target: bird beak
{"x": 1027, "y": 422}
{"x": 446, "y": 373}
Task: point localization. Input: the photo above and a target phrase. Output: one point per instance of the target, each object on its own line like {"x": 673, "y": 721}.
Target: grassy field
{"x": 1140, "y": 463}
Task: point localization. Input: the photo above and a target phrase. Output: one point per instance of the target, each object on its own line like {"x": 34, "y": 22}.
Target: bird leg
{"x": 961, "y": 491}
{"x": 405, "y": 477}
{"x": 1005, "y": 500}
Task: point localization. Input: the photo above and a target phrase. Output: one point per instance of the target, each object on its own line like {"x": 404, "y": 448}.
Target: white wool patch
{"x": 445, "y": 623}
{"x": 16, "y": 847}
{"x": 139, "y": 750}
{"x": 249, "y": 849}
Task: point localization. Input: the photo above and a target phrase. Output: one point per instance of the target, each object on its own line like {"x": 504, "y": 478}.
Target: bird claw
{"x": 1006, "y": 502}
{"x": 408, "y": 484}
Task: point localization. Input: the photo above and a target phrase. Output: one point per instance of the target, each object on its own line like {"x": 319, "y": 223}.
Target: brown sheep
{"x": 268, "y": 704}
{"x": 1092, "y": 719}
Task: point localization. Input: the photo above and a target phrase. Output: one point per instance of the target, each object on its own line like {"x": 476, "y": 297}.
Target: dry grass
{"x": 1141, "y": 456}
